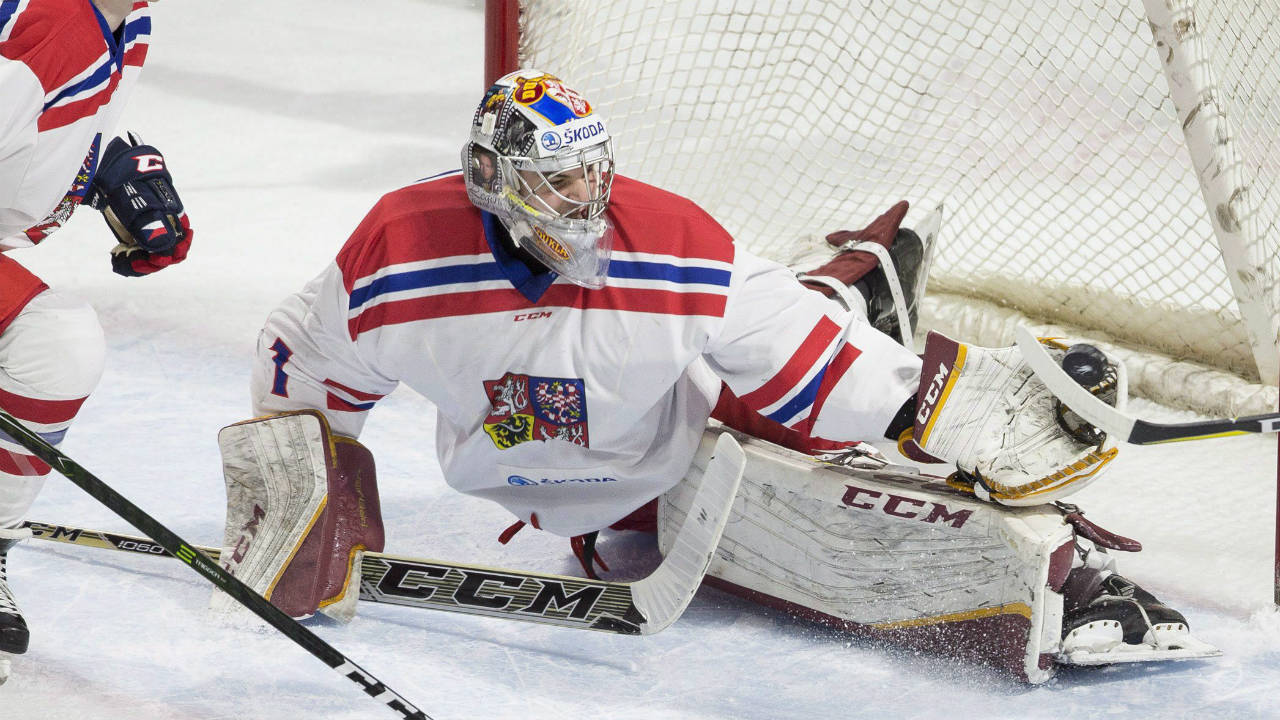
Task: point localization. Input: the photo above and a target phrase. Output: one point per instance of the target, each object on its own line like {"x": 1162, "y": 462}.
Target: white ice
{"x": 283, "y": 121}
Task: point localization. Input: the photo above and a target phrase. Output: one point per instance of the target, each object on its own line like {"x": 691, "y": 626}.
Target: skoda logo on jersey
{"x": 520, "y": 480}
{"x": 551, "y": 141}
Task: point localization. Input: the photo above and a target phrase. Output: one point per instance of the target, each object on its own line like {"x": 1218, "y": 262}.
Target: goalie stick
{"x": 179, "y": 548}
{"x": 642, "y": 607}
{"x": 1119, "y": 424}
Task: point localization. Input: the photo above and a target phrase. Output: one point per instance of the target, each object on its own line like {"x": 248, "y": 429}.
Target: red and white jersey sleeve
{"x": 63, "y": 82}
{"x": 799, "y": 359}
{"x": 570, "y": 407}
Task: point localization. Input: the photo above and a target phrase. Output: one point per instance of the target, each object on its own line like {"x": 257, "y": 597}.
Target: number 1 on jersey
{"x": 280, "y": 382}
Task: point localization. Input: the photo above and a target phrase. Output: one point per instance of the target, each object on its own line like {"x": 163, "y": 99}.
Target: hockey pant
{"x": 51, "y": 358}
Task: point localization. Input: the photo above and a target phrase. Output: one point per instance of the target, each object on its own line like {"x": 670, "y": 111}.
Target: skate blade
{"x": 1095, "y": 638}
{"x": 1170, "y": 643}
{"x": 1169, "y": 636}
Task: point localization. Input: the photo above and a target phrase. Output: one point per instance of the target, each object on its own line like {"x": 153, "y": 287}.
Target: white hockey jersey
{"x": 63, "y": 80}
{"x": 571, "y": 407}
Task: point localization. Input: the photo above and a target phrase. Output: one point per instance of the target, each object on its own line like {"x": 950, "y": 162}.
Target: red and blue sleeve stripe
{"x": 667, "y": 272}
{"x": 826, "y": 380}
{"x": 8, "y": 9}
{"x": 423, "y": 278}
{"x": 786, "y": 396}
{"x": 349, "y": 399}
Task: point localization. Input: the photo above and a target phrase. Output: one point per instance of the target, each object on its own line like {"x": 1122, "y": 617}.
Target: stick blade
{"x": 663, "y": 596}
{"x": 1084, "y": 403}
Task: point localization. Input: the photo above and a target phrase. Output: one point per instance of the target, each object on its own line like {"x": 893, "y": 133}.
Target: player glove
{"x": 857, "y": 280}
{"x": 850, "y": 267}
{"x": 135, "y": 193}
{"x": 1010, "y": 438}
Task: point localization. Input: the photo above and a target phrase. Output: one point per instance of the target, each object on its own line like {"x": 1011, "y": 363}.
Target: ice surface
{"x": 283, "y": 121}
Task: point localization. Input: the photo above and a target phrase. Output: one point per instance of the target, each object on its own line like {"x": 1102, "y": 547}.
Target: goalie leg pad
{"x": 886, "y": 552}
{"x": 302, "y": 506}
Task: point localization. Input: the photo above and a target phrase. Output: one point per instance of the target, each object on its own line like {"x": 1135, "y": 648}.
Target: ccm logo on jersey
{"x": 904, "y": 507}
{"x": 532, "y": 315}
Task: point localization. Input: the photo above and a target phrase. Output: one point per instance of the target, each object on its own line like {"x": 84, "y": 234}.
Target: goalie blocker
{"x": 888, "y": 553}
{"x": 302, "y": 507}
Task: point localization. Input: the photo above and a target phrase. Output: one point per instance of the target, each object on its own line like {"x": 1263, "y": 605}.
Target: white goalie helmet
{"x": 541, "y": 161}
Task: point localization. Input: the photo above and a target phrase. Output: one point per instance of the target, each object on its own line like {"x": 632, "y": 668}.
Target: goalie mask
{"x": 542, "y": 162}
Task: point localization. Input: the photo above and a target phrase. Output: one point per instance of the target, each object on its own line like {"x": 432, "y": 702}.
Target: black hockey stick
{"x": 642, "y": 607}
{"x": 434, "y": 585}
{"x": 207, "y": 568}
{"x": 1121, "y": 425}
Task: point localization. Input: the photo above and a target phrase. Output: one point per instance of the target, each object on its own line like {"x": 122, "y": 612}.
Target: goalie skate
{"x": 1127, "y": 624}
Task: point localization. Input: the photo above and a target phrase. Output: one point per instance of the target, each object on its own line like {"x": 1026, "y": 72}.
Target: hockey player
{"x": 575, "y": 329}
{"x": 66, "y": 67}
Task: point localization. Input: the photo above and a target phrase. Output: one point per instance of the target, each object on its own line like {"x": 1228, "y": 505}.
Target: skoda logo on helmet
{"x": 551, "y": 140}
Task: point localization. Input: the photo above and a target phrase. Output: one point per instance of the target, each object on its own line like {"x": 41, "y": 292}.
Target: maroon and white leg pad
{"x": 887, "y": 552}
{"x": 884, "y": 551}
{"x": 302, "y": 506}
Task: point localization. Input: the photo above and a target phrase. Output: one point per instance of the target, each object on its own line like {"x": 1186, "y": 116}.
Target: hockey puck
{"x": 1086, "y": 364}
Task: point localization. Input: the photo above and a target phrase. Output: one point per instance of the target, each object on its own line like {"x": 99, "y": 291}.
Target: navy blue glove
{"x": 135, "y": 193}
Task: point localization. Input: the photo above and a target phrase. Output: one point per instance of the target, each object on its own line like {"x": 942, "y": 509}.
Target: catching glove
{"x": 1008, "y": 435}
{"x": 135, "y": 193}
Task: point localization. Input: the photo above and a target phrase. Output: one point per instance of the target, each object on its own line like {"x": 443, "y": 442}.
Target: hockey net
{"x": 1048, "y": 132}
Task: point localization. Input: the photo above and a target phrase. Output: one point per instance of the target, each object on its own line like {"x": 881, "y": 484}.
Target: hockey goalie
{"x": 577, "y": 330}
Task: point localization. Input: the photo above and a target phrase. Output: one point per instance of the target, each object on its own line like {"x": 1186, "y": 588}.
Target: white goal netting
{"x": 1045, "y": 129}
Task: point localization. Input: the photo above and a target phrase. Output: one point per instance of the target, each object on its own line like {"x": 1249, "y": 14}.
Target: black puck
{"x": 1086, "y": 364}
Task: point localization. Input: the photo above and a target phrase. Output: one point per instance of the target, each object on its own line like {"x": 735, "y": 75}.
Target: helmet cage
{"x": 565, "y": 231}
{"x": 538, "y": 183}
